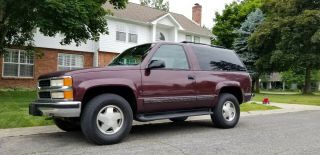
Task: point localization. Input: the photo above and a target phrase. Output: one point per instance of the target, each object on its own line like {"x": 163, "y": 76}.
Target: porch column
{"x": 269, "y": 85}
{"x": 175, "y": 34}
{"x": 154, "y": 32}
{"x": 95, "y": 47}
{"x": 96, "y": 59}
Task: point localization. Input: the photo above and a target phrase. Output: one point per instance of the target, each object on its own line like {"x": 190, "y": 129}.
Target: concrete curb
{"x": 286, "y": 108}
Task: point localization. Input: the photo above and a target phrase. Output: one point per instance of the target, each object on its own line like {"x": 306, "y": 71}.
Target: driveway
{"x": 286, "y": 133}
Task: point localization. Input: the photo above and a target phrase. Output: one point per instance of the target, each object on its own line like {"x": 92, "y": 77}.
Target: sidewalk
{"x": 286, "y": 108}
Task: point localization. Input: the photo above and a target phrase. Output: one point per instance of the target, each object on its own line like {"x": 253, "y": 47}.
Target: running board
{"x": 172, "y": 114}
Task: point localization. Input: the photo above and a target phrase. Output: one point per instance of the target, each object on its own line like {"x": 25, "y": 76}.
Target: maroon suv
{"x": 148, "y": 82}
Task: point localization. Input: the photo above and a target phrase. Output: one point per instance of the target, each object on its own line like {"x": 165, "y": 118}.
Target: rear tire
{"x": 179, "y": 119}
{"x": 67, "y": 124}
{"x": 226, "y": 113}
{"x": 106, "y": 119}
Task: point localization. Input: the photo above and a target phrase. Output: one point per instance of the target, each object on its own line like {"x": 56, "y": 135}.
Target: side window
{"x": 174, "y": 56}
{"x": 216, "y": 59}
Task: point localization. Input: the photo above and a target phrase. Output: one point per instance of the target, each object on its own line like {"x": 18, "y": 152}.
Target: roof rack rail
{"x": 186, "y": 42}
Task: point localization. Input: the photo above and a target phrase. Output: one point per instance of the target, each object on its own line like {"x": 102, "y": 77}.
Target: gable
{"x": 166, "y": 21}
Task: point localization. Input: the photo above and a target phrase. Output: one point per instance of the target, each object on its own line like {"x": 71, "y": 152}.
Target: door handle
{"x": 191, "y": 77}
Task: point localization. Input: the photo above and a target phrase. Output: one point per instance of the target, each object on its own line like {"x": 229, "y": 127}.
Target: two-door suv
{"x": 148, "y": 82}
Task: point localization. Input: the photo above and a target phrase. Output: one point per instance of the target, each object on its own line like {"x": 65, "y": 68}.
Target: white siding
{"x": 205, "y": 40}
{"x": 108, "y": 43}
{"x": 54, "y": 42}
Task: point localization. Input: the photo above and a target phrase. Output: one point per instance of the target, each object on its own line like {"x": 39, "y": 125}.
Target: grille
{"x": 44, "y": 95}
{"x": 44, "y": 83}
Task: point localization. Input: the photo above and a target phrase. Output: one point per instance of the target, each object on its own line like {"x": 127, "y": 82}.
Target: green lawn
{"x": 14, "y": 110}
{"x": 254, "y": 107}
{"x": 290, "y": 98}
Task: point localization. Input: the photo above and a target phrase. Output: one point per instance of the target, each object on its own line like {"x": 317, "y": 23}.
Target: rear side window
{"x": 216, "y": 59}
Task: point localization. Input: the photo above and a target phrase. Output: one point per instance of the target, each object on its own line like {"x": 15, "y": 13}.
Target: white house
{"x": 129, "y": 27}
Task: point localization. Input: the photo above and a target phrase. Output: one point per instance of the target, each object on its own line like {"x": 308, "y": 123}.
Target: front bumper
{"x": 247, "y": 97}
{"x": 55, "y": 108}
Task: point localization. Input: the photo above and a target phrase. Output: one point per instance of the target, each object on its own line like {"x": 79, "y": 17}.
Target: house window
{"x": 69, "y": 61}
{"x": 18, "y": 63}
{"x": 133, "y": 38}
{"x": 188, "y": 37}
{"x": 121, "y": 36}
{"x": 196, "y": 39}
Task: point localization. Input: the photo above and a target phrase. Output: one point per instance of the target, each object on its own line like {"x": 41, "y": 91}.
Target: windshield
{"x": 132, "y": 56}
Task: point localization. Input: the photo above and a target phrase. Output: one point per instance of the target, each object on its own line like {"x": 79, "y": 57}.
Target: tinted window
{"x": 217, "y": 59}
{"x": 173, "y": 56}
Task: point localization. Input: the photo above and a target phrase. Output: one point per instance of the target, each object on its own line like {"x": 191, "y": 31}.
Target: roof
{"x": 144, "y": 14}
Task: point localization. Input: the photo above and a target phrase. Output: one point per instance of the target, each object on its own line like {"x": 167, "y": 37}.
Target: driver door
{"x": 171, "y": 87}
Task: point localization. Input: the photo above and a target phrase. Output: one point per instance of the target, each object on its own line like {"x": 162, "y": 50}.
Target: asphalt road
{"x": 290, "y": 133}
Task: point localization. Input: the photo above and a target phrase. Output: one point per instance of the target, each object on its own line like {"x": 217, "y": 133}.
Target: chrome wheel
{"x": 228, "y": 111}
{"x": 110, "y": 119}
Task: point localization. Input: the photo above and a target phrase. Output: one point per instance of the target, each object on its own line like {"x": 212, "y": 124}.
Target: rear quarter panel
{"x": 211, "y": 82}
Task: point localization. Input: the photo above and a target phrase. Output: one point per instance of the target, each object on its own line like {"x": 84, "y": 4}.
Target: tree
{"x": 158, "y": 4}
{"x": 290, "y": 36}
{"x": 293, "y": 77}
{"x": 77, "y": 20}
{"x": 240, "y": 44}
{"x": 230, "y": 20}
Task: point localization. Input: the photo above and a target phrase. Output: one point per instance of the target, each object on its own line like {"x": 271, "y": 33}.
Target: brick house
{"x": 129, "y": 27}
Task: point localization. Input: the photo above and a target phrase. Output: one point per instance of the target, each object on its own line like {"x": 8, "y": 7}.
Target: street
{"x": 288, "y": 133}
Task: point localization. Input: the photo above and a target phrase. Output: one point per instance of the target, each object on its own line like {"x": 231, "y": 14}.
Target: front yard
{"x": 289, "y": 98}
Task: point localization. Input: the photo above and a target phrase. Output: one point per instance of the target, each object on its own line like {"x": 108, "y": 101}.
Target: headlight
{"x": 68, "y": 95}
{"x": 57, "y": 95}
{"x": 63, "y": 93}
{"x": 56, "y": 82}
{"x": 66, "y": 81}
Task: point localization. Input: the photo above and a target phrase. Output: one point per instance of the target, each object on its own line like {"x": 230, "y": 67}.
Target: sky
{"x": 209, "y": 7}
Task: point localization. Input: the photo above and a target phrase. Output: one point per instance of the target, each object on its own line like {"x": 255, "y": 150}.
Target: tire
{"x": 179, "y": 119}
{"x": 222, "y": 117}
{"x": 67, "y": 124}
{"x": 114, "y": 122}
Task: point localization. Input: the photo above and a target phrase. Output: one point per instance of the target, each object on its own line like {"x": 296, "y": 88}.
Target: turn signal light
{"x": 68, "y": 95}
{"x": 67, "y": 81}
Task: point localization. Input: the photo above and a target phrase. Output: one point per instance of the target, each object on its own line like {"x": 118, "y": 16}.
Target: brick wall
{"x": 46, "y": 64}
{"x": 105, "y": 58}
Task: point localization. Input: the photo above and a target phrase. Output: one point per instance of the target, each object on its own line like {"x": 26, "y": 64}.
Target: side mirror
{"x": 156, "y": 64}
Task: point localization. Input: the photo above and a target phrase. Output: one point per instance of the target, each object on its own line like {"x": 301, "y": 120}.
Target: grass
{"x": 245, "y": 107}
{"x": 290, "y": 98}
{"x": 14, "y": 110}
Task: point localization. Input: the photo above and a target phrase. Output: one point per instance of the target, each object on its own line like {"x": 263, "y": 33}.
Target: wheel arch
{"x": 124, "y": 91}
{"x": 234, "y": 90}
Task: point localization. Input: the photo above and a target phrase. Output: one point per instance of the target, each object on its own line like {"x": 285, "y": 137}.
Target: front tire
{"x": 67, "y": 124}
{"x": 106, "y": 119}
{"x": 226, "y": 113}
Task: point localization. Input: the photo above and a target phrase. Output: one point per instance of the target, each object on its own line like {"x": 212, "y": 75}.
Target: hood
{"x": 87, "y": 70}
